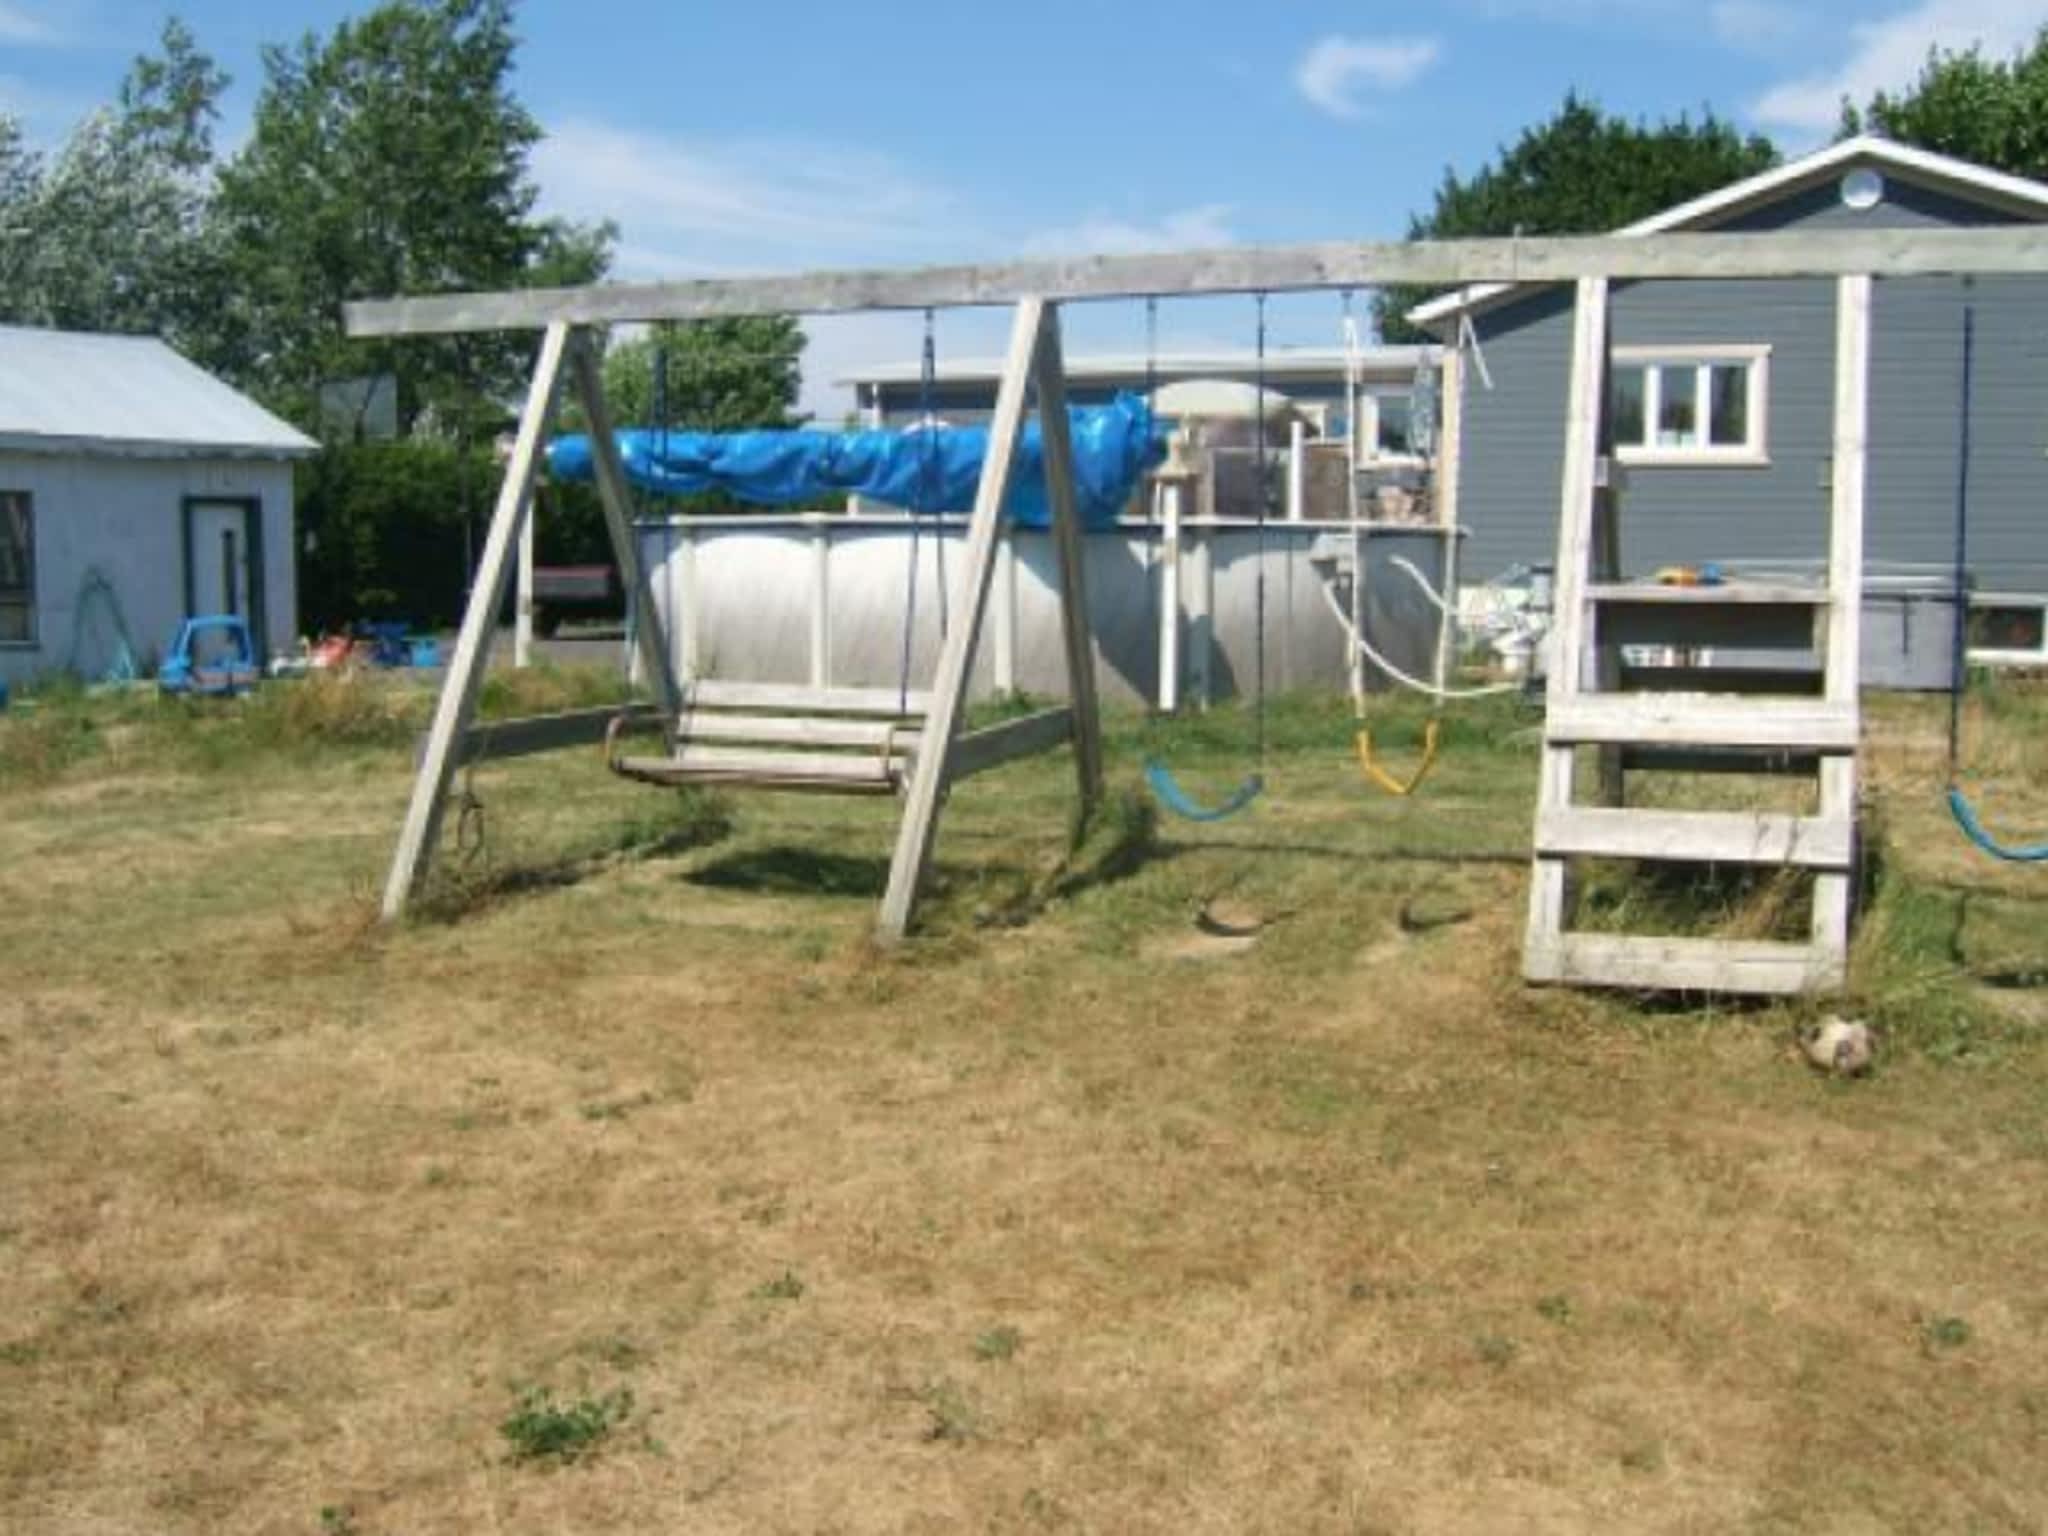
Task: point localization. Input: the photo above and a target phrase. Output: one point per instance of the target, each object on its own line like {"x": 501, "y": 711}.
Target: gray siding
{"x": 1778, "y": 511}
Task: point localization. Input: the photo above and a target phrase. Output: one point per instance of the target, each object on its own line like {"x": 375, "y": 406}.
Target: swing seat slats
{"x": 801, "y": 698}
{"x": 799, "y": 731}
{"x": 842, "y": 773}
{"x": 721, "y": 739}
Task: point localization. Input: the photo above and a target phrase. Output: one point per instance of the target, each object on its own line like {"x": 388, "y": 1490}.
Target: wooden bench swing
{"x": 770, "y": 736}
{"x": 894, "y": 742}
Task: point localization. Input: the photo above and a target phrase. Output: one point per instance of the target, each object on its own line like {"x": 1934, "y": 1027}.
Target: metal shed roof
{"x": 85, "y": 393}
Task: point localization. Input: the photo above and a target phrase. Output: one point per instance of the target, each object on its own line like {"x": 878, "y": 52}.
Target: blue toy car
{"x": 213, "y": 655}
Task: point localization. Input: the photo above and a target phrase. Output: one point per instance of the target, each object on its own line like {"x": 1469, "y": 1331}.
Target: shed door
{"x": 219, "y": 558}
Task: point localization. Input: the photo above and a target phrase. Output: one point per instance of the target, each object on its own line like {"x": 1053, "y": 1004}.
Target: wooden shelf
{"x": 1780, "y": 593}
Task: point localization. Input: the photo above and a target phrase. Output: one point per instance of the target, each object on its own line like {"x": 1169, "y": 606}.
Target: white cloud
{"x": 1334, "y": 69}
{"x": 733, "y": 204}
{"x": 1203, "y": 225}
{"x": 1756, "y": 24}
{"x": 21, "y": 28}
{"x": 1888, "y": 54}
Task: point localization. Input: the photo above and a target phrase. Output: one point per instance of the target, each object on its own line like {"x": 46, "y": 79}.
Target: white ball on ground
{"x": 1844, "y": 1047}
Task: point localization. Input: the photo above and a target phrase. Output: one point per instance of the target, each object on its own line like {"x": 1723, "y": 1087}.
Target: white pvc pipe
{"x": 1297, "y": 470}
{"x": 1169, "y": 493}
{"x": 522, "y": 606}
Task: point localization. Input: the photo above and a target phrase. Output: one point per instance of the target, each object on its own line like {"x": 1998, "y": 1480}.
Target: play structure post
{"x": 1056, "y": 438}
{"x": 457, "y": 703}
{"x": 657, "y": 665}
{"x": 1833, "y": 890}
{"x": 956, "y": 658}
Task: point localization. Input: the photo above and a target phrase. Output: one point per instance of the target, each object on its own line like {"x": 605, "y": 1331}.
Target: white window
{"x": 1386, "y": 427}
{"x": 2008, "y": 629}
{"x": 17, "y": 569}
{"x": 1692, "y": 405}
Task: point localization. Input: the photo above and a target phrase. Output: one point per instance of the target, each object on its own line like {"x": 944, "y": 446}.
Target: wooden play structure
{"x": 1698, "y": 719}
{"x": 911, "y": 743}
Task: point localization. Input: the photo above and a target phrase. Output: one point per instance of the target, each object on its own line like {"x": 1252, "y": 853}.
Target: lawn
{"x": 629, "y": 1188}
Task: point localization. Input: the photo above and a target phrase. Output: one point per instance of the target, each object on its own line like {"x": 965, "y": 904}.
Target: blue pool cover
{"x": 925, "y": 470}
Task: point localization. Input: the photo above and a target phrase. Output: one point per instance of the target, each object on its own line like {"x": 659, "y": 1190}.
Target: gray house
{"x": 1722, "y": 398}
{"x": 135, "y": 489}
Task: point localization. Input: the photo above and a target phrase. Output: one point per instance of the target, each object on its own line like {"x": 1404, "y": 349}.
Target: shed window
{"x": 1703, "y": 405}
{"x": 17, "y": 568}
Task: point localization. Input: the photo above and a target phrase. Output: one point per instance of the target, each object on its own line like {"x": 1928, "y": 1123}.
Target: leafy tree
{"x": 390, "y": 158}
{"x": 719, "y": 375}
{"x": 1991, "y": 111}
{"x": 1582, "y": 172}
{"x": 20, "y": 172}
{"x": 113, "y": 230}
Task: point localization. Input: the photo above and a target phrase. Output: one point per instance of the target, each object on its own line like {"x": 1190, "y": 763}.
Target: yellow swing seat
{"x": 1370, "y": 765}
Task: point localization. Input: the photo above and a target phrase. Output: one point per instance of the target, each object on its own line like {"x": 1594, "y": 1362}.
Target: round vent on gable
{"x": 1862, "y": 188}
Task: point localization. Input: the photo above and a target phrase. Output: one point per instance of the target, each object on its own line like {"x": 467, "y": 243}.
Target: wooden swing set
{"x": 911, "y": 744}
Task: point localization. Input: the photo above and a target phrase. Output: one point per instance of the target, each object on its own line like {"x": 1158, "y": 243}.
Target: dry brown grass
{"x": 1341, "y": 1231}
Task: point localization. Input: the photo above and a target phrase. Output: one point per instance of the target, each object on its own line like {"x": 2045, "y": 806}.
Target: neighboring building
{"x": 1312, "y": 378}
{"x": 1723, "y": 396}
{"x": 127, "y": 470}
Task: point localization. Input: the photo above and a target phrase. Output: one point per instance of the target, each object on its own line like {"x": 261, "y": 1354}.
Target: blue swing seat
{"x": 1175, "y": 799}
{"x": 1973, "y": 829}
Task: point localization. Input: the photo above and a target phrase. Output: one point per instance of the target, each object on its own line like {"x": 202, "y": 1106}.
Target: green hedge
{"x": 388, "y": 530}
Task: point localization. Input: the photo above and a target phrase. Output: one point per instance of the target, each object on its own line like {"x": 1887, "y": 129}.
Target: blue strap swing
{"x": 1166, "y": 789}
{"x": 1959, "y": 806}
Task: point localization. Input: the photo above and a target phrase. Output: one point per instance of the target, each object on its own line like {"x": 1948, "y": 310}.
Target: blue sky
{"x": 731, "y": 137}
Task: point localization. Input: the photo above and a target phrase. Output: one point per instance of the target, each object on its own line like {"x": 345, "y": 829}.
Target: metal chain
{"x": 1265, "y": 496}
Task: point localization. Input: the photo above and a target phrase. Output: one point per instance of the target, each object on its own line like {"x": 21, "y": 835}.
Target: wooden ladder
{"x": 1709, "y": 718}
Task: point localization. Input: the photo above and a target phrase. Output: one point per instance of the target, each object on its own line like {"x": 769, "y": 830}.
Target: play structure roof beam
{"x": 1239, "y": 269}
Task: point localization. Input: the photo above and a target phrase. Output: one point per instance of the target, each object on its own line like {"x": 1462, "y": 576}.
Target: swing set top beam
{"x": 1239, "y": 269}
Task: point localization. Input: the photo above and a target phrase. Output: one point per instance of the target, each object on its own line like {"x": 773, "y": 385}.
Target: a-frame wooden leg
{"x": 657, "y": 663}
{"x": 1575, "y": 538}
{"x": 929, "y": 776}
{"x": 421, "y": 833}
{"x": 1833, "y": 893}
{"x": 1049, "y": 371}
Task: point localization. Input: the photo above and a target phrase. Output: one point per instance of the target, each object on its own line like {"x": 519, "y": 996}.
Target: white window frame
{"x": 2000, "y": 657}
{"x": 1655, "y": 361}
{"x": 1367, "y": 426}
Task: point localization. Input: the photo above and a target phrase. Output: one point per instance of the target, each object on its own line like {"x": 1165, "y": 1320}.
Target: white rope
{"x": 1406, "y": 679}
{"x": 1415, "y": 573}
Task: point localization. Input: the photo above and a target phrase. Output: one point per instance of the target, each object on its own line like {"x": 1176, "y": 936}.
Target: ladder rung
{"x": 1706, "y": 837}
{"x": 1702, "y": 720}
{"x": 1682, "y": 965}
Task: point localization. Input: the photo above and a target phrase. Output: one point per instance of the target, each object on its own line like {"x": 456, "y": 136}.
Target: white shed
{"x": 130, "y": 473}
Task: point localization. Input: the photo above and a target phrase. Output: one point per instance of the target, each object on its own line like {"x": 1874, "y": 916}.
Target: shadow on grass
{"x": 1511, "y": 859}
{"x": 465, "y": 888}
{"x": 790, "y": 871}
